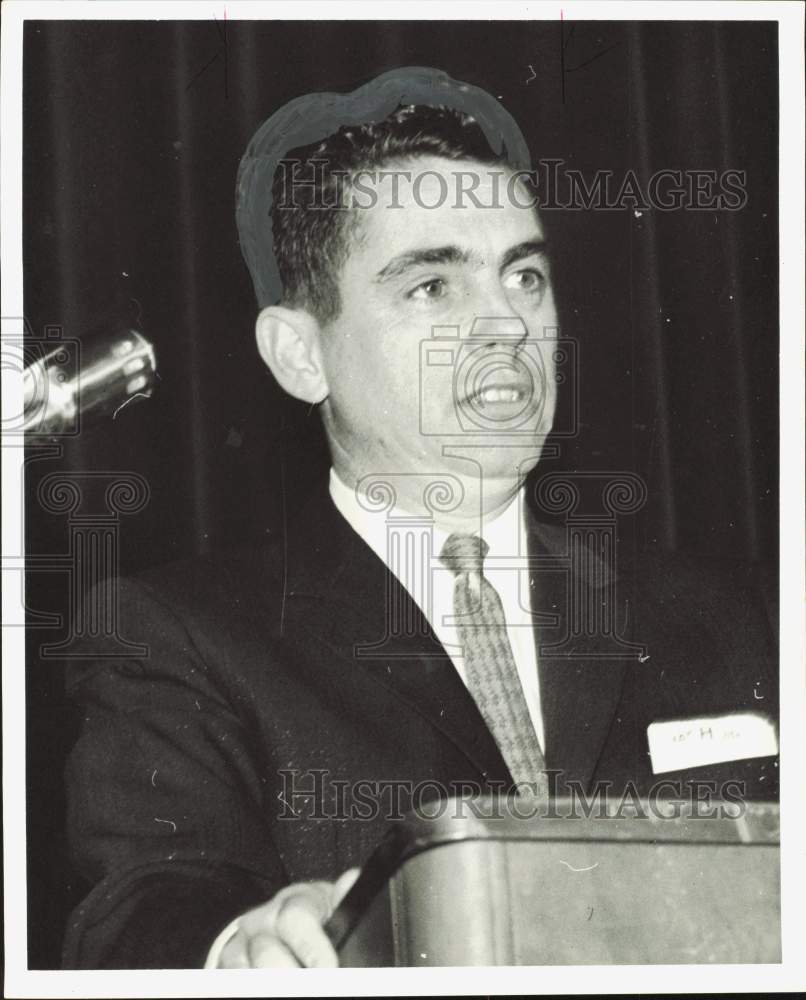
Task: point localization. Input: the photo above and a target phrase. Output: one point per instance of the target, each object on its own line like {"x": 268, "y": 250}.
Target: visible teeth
{"x": 496, "y": 395}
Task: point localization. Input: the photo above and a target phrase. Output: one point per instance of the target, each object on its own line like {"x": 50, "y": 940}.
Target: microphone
{"x": 110, "y": 372}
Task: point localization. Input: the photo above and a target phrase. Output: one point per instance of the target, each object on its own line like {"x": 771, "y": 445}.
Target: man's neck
{"x": 476, "y": 506}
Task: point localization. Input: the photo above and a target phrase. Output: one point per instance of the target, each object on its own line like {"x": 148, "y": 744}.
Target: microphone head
{"x": 110, "y": 372}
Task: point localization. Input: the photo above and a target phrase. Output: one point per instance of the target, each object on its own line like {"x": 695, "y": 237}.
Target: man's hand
{"x": 287, "y": 931}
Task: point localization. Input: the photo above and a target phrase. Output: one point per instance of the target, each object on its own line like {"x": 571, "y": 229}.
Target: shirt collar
{"x": 504, "y": 534}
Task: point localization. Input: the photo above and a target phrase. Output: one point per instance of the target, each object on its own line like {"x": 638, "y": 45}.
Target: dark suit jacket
{"x": 179, "y": 786}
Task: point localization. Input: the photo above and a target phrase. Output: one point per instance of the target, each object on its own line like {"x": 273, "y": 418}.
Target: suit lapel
{"x": 339, "y": 586}
{"x": 346, "y": 592}
{"x": 581, "y": 676}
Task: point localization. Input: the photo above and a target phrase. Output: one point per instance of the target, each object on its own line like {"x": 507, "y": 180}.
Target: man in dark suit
{"x": 298, "y": 698}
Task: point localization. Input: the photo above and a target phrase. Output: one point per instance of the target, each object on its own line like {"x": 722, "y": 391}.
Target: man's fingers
{"x": 343, "y": 884}
{"x": 266, "y": 951}
{"x": 299, "y": 926}
{"x": 234, "y": 954}
{"x": 287, "y": 931}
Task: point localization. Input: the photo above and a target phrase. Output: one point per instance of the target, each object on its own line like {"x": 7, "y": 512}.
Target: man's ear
{"x": 288, "y": 341}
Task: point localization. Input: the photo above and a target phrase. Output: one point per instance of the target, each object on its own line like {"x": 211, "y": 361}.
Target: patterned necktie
{"x": 492, "y": 676}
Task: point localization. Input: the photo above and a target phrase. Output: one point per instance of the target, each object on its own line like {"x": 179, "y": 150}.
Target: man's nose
{"x": 510, "y": 330}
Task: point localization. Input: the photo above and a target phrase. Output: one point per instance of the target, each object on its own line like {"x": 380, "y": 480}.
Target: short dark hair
{"x": 310, "y": 239}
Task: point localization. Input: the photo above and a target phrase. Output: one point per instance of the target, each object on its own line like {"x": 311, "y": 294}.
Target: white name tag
{"x": 675, "y": 746}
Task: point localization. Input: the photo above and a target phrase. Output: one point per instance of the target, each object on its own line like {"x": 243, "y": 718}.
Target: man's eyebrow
{"x": 529, "y": 248}
{"x": 417, "y": 258}
{"x": 454, "y": 255}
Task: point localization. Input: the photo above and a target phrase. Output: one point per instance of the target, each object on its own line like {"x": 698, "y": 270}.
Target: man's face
{"x": 476, "y": 273}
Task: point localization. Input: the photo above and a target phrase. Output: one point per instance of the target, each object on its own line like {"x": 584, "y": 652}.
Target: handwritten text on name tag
{"x": 684, "y": 743}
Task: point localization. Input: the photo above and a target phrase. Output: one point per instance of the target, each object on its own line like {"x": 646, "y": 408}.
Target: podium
{"x": 481, "y": 886}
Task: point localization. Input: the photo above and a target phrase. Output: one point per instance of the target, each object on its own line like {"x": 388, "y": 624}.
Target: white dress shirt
{"x": 504, "y": 567}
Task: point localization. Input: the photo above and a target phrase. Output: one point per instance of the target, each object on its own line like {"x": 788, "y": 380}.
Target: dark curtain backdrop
{"x": 133, "y": 132}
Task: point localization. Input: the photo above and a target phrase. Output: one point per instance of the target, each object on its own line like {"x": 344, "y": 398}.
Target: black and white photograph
{"x": 403, "y": 498}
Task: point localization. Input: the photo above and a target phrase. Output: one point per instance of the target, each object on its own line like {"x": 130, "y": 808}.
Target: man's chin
{"x": 493, "y": 460}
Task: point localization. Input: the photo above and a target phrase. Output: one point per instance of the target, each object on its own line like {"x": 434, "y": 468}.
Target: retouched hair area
{"x": 311, "y": 224}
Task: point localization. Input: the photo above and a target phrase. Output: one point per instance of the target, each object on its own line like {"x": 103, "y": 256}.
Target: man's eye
{"x": 434, "y": 288}
{"x": 526, "y": 280}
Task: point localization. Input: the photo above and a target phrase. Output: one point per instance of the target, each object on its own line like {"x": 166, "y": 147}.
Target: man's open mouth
{"x": 494, "y": 394}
